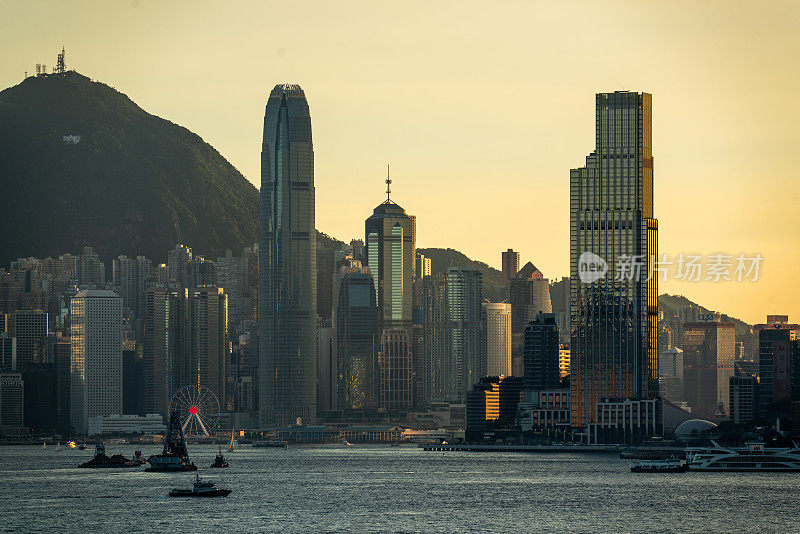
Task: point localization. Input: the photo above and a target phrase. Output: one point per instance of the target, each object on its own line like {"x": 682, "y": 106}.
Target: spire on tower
{"x": 388, "y": 183}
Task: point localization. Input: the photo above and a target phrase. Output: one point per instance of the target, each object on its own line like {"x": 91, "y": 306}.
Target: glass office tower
{"x": 614, "y": 321}
{"x": 287, "y": 258}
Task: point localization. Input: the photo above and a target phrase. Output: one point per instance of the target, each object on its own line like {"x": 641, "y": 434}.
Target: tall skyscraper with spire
{"x": 390, "y": 247}
{"x": 390, "y": 250}
{"x": 287, "y": 258}
{"x": 614, "y": 337}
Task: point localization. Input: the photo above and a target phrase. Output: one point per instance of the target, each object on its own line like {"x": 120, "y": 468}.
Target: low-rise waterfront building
{"x": 151, "y": 423}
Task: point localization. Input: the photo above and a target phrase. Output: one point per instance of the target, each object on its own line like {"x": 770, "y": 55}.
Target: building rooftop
{"x": 96, "y": 293}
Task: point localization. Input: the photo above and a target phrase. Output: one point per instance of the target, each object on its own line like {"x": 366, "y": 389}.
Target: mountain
{"x": 442, "y": 258}
{"x": 670, "y": 304}
{"x": 82, "y": 164}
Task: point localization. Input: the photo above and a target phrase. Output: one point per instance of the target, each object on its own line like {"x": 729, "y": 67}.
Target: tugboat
{"x": 175, "y": 457}
{"x": 220, "y": 460}
{"x": 200, "y": 489}
{"x": 671, "y": 465}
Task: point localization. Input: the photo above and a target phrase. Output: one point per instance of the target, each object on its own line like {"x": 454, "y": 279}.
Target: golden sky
{"x": 480, "y": 107}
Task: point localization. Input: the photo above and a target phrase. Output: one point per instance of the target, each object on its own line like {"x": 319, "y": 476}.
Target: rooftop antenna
{"x": 388, "y": 183}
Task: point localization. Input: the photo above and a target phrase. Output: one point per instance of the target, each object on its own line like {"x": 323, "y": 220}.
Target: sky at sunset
{"x": 481, "y": 108}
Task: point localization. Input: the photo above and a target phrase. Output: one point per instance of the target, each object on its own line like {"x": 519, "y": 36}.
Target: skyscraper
{"x": 357, "y": 340}
{"x": 390, "y": 250}
{"x": 394, "y": 361}
{"x": 529, "y": 295}
{"x": 497, "y": 338}
{"x": 708, "y": 354}
{"x": 510, "y": 264}
{"x": 287, "y": 262}
{"x": 465, "y": 363}
{"x": 208, "y": 348}
{"x": 165, "y": 345}
{"x": 435, "y": 349}
{"x": 96, "y": 356}
{"x": 614, "y": 328}
{"x": 541, "y": 353}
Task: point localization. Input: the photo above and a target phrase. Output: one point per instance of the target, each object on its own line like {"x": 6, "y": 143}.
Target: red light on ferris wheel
{"x": 193, "y": 410}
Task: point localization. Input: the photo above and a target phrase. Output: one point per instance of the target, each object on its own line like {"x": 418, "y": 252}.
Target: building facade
{"x": 708, "y": 355}
{"x": 497, "y": 338}
{"x": 287, "y": 262}
{"x": 356, "y": 341}
{"x": 510, "y": 261}
{"x": 614, "y": 321}
{"x": 96, "y": 356}
{"x": 395, "y": 364}
{"x": 541, "y": 353}
{"x": 465, "y": 362}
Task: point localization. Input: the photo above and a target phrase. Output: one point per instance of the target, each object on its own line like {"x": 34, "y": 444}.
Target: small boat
{"x": 671, "y": 465}
{"x": 82, "y": 446}
{"x": 72, "y": 444}
{"x": 44, "y": 445}
{"x": 200, "y": 489}
{"x": 220, "y": 460}
{"x": 58, "y": 447}
{"x": 232, "y": 444}
{"x": 346, "y": 443}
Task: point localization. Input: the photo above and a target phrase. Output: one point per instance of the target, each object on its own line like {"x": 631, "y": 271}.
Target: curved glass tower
{"x": 287, "y": 262}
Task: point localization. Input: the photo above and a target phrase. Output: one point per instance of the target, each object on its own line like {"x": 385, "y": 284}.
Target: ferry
{"x": 671, "y": 465}
{"x": 753, "y": 456}
{"x": 200, "y": 489}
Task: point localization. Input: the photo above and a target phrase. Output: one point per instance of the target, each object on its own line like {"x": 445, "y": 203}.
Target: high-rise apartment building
{"x": 29, "y": 328}
{"x": 435, "y": 350}
{"x": 510, "y": 260}
{"x": 287, "y": 262}
{"x": 11, "y": 402}
{"x": 708, "y": 355}
{"x": 206, "y": 361}
{"x": 779, "y": 359}
{"x": 614, "y": 337}
{"x": 96, "y": 356}
{"x": 497, "y": 338}
{"x": 465, "y": 363}
{"x": 165, "y": 345}
{"x": 423, "y": 268}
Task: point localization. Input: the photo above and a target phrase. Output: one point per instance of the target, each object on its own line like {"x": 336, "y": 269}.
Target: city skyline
{"x": 709, "y": 146}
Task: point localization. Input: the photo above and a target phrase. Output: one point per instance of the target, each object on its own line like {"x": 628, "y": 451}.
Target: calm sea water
{"x": 386, "y": 489}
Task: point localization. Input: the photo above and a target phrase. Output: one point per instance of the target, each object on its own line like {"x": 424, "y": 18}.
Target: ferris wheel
{"x": 198, "y": 409}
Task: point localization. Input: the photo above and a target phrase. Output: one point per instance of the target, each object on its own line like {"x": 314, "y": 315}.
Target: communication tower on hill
{"x": 61, "y": 64}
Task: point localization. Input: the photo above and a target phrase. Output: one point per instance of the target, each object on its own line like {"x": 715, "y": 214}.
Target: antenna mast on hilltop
{"x": 61, "y": 64}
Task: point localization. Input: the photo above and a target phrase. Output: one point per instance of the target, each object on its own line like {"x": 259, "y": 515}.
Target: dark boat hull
{"x": 681, "y": 469}
{"x": 215, "y": 493}
{"x": 171, "y": 469}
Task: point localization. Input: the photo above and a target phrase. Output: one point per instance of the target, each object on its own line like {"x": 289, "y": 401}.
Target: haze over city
{"x": 481, "y": 111}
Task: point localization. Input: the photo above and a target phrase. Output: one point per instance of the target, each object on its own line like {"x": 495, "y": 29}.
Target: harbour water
{"x": 386, "y": 489}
